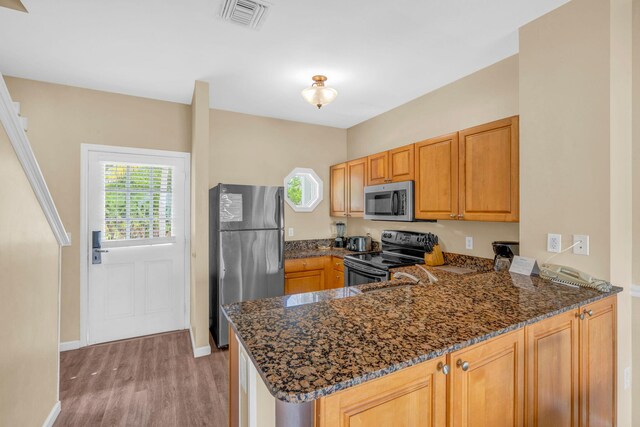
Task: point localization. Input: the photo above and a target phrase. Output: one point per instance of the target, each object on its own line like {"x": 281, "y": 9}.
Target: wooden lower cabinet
{"x": 597, "y": 363}
{"x": 313, "y": 274}
{"x": 412, "y": 397}
{"x": 304, "y": 281}
{"x": 487, "y": 383}
{"x": 552, "y": 371}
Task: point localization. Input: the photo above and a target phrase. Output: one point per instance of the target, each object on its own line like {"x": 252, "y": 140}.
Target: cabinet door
{"x": 336, "y": 279}
{"x": 552, "y": 371}
{"x": 356, "y": 178}
{"x": 378, "y": 168}
{"x": 402, "y": 163}
{"x": 490, "y": 391}
{"x": 436, "y": 171}
{"x": 338, "y": 176}
{"x": 598, "y": 364}
{"x": 304, "y": 281}
{"x": 412, "y": 397}
{"x": 489, "y": 172}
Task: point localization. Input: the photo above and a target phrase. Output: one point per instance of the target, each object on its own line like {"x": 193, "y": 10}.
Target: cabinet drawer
{"x": 304, "y": 264}
{"x": 337, "y": 263}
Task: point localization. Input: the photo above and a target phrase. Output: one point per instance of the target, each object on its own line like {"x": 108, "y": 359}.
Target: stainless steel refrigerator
{"x": 246, "y": 249}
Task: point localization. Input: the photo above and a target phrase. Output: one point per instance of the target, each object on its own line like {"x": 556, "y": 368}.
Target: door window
{"x": 138, "y": 202}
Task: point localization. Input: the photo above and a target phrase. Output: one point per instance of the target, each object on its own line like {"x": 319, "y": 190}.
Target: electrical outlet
{"x": 469, "y": 242}
{"x": 290, "y": 231}
{"x": 581, "y": 248}
{"x": 554, "y": 243}
{"x": 627, "y": 378}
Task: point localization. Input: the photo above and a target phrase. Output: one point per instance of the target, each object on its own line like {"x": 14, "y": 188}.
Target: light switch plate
{"x": 583, "y": 247}
{"x": 290, "y": 231}
{"x": 554, "y": 243}
{"x": 469, "y": 242}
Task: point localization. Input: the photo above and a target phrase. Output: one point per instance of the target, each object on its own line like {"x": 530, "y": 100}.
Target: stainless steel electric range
{"x": 399, "y": 249}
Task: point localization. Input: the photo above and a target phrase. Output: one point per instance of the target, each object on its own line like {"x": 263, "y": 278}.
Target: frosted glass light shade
{"x": 319, "y": 95}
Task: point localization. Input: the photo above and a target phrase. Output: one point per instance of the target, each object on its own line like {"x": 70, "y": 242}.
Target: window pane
{"x": 115, "y": 230}
{"x": 138, "y": 201}
{"x": 139, "y": 229}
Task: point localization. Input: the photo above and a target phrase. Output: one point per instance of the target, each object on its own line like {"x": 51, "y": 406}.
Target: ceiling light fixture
{"x": 318, "y": 94}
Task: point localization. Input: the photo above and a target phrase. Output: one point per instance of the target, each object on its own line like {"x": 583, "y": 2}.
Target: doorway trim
{"x": 85, "y": 149}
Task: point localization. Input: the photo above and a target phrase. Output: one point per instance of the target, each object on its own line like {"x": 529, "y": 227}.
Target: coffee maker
{"x": 505, "y": 250}
{"x": 340, "y": 241}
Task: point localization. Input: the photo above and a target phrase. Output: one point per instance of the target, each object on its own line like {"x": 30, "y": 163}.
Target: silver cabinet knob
{"x": 464, "y": 365}
{"x": 452, "y": 215}
{"x": 590, "y": 312}
{"x": 580, "y": 316}
{"x": 443, "y": 367}
{"x": 460, "y": 216}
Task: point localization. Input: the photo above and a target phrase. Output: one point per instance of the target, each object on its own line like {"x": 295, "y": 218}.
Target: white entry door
{"x": 136, "y": 204}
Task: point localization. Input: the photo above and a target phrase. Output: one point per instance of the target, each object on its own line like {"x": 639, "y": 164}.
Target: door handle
{"x": 394, "y": 202}
{"x": 96, "y": 247}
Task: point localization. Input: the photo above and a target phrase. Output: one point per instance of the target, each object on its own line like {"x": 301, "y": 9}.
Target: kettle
{"x": 359, "y": 243}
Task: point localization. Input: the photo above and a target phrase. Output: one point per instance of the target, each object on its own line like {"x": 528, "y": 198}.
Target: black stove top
{"x": 384, "y": 260}
{"x": 399, "y": 249}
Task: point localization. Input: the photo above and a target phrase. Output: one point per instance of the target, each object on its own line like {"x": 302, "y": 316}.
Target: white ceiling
{"x": 377, "y": 54}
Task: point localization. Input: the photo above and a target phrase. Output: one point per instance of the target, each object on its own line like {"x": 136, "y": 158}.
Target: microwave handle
{"x": 394, "y": 200}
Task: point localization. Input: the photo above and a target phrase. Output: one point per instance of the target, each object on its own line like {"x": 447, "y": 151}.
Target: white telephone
{"x": 572, "y": 277}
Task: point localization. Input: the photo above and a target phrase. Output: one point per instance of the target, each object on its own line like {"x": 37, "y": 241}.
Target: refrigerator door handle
{"x": 281, "y": 250}
{"x": 280, "y": 222}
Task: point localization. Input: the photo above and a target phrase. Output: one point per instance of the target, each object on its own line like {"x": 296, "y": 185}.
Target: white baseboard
{"x": 634, "y": 291}
{"x": 198, "y": 351}
{"x": 53, "y": 415}
{"x": 69, "y": 345}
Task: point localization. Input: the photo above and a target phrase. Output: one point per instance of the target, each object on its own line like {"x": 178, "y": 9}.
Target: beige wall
{"x": 636, "y": 207}
{"x": 29, "y": 261}
{"x": 262, "y": 151}
{"x": 564, "y": 132}
{"x": 200, "y": 214}
{"x": 489, "y": 94}
{"x": 575, "y": 146}
{"x": 63, "y": 117}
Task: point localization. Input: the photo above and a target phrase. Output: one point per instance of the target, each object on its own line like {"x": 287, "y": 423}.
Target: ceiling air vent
{"x": 248, "y": 13}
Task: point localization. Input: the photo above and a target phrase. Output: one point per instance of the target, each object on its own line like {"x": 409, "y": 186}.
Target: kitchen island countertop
{"x": 306, "y": 346}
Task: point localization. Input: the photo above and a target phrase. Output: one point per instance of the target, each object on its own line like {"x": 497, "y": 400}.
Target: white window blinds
{"x": 138, "y": 202}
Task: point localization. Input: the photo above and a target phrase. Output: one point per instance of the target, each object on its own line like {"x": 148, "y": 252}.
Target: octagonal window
{"x": 303, "y": 189}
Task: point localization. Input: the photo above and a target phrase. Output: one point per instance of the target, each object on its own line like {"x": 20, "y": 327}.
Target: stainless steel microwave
{"x": 389, "y": 202}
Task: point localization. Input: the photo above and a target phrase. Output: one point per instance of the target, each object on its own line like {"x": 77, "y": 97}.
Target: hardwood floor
{"x": 149, "y": 381}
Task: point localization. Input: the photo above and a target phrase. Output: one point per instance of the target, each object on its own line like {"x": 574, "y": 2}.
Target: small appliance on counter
{"x": 340, "y": 241}
{"x": 399, "y": 249}
{"x": 504, "y": 253}
{"x": 359, "y": 243}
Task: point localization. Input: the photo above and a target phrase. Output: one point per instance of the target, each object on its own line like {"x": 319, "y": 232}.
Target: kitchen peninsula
{"x": 406, "y": 354}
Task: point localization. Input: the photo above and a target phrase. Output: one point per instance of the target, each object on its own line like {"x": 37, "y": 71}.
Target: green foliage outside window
{"x": 294, "y": 190}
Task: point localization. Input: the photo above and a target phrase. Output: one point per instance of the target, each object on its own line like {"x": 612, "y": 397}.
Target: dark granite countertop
{"x": 307, "y": 346}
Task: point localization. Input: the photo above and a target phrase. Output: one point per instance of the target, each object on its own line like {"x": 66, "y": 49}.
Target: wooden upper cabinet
{"x": 487, "y": 383}
{"x": 378, "y": 166}
{"x": 338, "y": 197}
{"x": 598, "y": 363}
{"x": 356, "y": 181}
{"x": 412, "y": 397}
{"x": 552, "y": 371}
{"x": 402, "y": 163}
{"x": 489, "y": 172}
{"x": 391, "y": 166}
{"x": 436, "y": 172}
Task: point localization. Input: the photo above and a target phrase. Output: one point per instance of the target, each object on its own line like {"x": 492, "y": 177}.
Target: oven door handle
{"x": 394, "y": 204}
